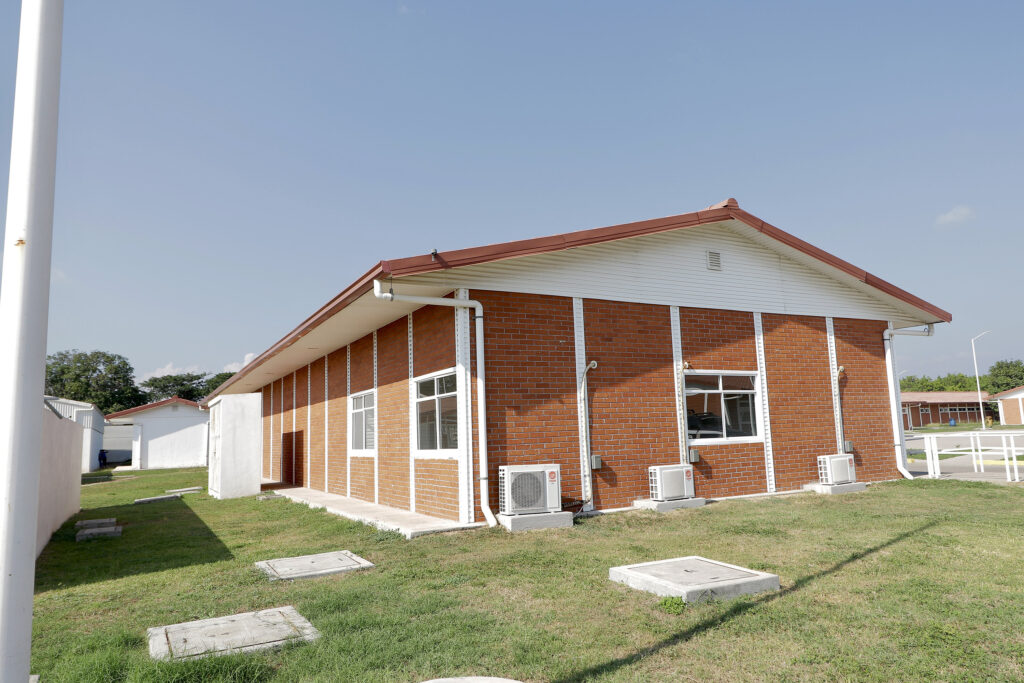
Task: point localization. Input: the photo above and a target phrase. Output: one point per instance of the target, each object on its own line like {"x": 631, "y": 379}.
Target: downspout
{"x": 894, "y": 391}
{"x": 588, "y": 484}
{"x": 481, "y": 392}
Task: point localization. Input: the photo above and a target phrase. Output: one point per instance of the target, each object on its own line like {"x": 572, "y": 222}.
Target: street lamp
{"x": 977, "y": 378}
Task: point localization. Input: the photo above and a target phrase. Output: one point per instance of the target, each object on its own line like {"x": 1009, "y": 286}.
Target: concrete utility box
{"x": 236, "y": 445}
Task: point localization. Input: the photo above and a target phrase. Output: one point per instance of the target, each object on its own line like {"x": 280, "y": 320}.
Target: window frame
{"x": 757, "y": 437}
{"x": 363, "y": 452}
{"x": 414, "y": 434}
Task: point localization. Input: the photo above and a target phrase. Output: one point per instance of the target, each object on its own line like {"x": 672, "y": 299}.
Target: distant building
{"x": 91, "y": 419}
{"x": 1011, "y": 406}
{"x": 168, "y": 433}
{"x": 922, "y": 408}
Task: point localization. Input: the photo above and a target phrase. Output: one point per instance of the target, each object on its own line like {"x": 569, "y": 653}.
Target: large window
{"x": 363, "y": 423}
{"x": 437, "y": 413}
{"x": 721, "y": 406}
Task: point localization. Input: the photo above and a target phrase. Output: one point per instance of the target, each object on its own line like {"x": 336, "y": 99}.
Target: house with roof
{"x": 711, "y": 337}
{"x": 1011, "y": 406}
{"x": 167, "y": 433}
{"x": 922, "y": 408}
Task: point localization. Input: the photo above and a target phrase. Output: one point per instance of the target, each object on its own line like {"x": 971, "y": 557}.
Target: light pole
{"x": 977, "y": 377}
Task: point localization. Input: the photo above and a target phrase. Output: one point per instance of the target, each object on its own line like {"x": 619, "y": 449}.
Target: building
{"x": 922, "y": 408}
{"x": 711, "y": 331}
{"x": 91, "y": 419}
{"x": 168, "y": 433}
{"x": 1011, "y": 406}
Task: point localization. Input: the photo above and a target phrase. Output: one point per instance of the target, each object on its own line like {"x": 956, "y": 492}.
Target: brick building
{"x": 921, "y": 408}
{"x": 711, "y": 330}
{"x": 1011, "y": 406}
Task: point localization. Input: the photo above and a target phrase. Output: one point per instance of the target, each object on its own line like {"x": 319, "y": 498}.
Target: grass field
{"x": 906, "y": 581}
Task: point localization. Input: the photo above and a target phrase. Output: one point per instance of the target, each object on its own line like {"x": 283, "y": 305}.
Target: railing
{"x": 1007, "y": 451}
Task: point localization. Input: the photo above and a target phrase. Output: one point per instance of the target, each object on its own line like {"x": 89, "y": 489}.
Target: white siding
{"x": 169, "y": 436}
{"x": 671, "y": 269}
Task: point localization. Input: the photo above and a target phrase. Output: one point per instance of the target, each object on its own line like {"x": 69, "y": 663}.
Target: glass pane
{"x": 704, "y": 416}
{"x": 739, "y": 415}
{"x": 425, "y": 388}
{"x": 446, "y": 384}
{"x": 738, "y": 382}
{"x": 449, "y": 406}
{"x": 368, "y": 401}
{"x": 368, "y": 429}
{"x": 701, "y": 383}
{"x": 427, "y": 421}
{"x": 357, "y": 431}
{"x": 357, "y": 403}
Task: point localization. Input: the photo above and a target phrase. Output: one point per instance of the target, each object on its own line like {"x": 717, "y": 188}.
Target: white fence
{"x": 60, "y": 474}
{"x": 1007, "y": 451}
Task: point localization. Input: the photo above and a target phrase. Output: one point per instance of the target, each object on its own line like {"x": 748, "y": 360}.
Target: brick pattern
{"x": 316, "y": 425}
{"x": 729, "y": 470}
{"x": 362, "y": 479}
{"x": 277, "y": 471}
{"x": 864, "y": 389}
{"x": 437, "y": 488}
{"x": 362, "y": 380}
{"x": 433, "y": 339}
{"x": 393, "y": 413}
{"x": 268, "y": 410}
{"x": 301, "y": 430}
{"x": 800, "y": 396}
{"x": 1011, "y": 411}
{"x": 718, "y": 340}
{"x": 287, "y": 428}
{"x": 337, "y": 419}
{"x": 632, "y": 398}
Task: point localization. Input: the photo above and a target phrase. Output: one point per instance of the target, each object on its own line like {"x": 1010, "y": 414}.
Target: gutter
{"x": 896, "y": 413}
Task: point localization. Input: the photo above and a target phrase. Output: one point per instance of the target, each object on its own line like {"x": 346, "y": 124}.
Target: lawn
{"x": 908, "y": 580}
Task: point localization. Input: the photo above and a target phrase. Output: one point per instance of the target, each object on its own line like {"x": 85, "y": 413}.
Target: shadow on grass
{"x": 738, "y": 609}
{"x": 154, "y": 537}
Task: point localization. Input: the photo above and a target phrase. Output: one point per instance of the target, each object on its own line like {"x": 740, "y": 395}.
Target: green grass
{"x": 962, "y": 427}
{"x": 906, "y": 581}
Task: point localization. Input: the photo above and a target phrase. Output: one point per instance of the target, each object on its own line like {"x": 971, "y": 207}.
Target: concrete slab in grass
{"x": 541, "y": 520}
{"x": 190, "y": 489}
{"x": 264, "y": 630}
{"x": 156, "y": 499}
{"x": 667, "y": 505}
{"x": 98, "y": 532}
{"x": 694, "y": 578}
{"x": 472, "y": 679}
{"x": 833, "y": 489}
{"x": 309, "y": 566}
{"x": 92, "y": 523}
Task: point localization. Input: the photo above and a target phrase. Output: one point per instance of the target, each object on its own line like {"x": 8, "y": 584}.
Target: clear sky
{"x": 226, "y": 167}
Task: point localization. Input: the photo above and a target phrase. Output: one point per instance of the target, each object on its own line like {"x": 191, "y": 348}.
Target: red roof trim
{"x": 427, "y": 263}
{"x": 155, "y": 404}
{"x": 1008, "y": 391}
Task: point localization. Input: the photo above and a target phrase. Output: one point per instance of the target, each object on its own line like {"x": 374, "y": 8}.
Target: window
{"x": 721, "y": 406}
{"x": 437, "y": 413}
{"x": 363, "y": 424}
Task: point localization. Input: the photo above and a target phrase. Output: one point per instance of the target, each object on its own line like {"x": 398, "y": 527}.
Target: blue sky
{"x": 225, "y": 168}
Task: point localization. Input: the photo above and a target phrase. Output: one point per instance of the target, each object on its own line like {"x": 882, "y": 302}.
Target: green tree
{"x": 1003, "y": 375}
{"x": 105, "y": 379}
{"x": 190, "y": 386}
{"x": 915, "y": 383}
{"x": 214, "y": 381}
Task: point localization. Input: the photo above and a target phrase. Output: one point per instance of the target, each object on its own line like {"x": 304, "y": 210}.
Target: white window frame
{"x": 363, "y": 452}
{"x": 414, "y": 436}
{"x": 758, "y": 408}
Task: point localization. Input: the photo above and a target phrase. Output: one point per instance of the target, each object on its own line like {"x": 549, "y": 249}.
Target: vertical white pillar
{"x": 24, "y": 306}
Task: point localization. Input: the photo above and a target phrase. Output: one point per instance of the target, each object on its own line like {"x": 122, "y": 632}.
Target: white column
{"x": 582, "y": 408}
{"x": 24, "y": 306}
{"x": 837, "y": 402}
{"x": 765, "y": 414}
{"x": 680, "y": 383}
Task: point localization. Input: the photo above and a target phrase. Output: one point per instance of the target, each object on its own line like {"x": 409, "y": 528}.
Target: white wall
{"x": 117, "y": 442}
{"x": 236, "y": 445}
{"x": 60, "y": 478}
{"x": 168, "y": 436}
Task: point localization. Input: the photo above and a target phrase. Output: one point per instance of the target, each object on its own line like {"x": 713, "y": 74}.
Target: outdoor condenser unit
{"x": 836, "y": 469}
{"x": 528, "y": 489}
{"x": 671, "y": 482}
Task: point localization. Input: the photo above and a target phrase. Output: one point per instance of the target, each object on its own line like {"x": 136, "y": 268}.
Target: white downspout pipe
{"x": 481, "y": 391}
{"x": 588, "y": 484}
{"x": 24, "y": 304}
{"x": 895, "y": 411}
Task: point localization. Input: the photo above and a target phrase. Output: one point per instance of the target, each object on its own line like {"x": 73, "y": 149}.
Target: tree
{"x": 190, "y": 386}
{"x": 105, "y": 379}
{"x": 1003, "y": 375}
{"x": 215, "y": 381}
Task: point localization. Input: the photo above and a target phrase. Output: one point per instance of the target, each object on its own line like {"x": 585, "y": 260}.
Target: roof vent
{"x": 714, "y": 260}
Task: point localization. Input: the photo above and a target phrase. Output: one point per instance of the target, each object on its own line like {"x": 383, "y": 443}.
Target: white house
{"x": 1011, "y": 406}
{"x": 168, "y": 433}
{"x": 91, "y": 419}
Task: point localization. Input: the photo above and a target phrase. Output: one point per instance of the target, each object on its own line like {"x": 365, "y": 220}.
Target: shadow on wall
{"x": 292, "y": 444}
{"x": 155, "y": 537}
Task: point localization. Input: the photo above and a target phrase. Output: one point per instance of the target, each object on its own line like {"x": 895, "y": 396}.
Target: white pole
{"x": 977, "y": 378}
{"x": 24, "y": 306}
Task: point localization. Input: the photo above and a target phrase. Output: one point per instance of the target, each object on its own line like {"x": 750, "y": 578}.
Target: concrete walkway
{"x": 409, "y": 524}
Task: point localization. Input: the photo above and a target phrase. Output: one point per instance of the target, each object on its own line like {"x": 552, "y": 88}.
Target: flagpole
{"x": 24, "y": 306}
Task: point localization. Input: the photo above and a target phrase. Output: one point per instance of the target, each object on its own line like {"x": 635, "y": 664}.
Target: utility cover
{"x": 263, "y": 630}
{"x": 308, "y": 566}
{"x": 694, "y": 578}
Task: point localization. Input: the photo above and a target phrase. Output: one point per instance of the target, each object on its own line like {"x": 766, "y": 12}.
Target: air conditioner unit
{"x": 836, "y": 469}
{"x": 671, "y": 482}
{"x": 528, "y": 489}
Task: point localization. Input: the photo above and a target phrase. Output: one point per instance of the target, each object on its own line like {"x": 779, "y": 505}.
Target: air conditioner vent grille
{"x": 527, "y": 489}
{"x": 714, "y": 260}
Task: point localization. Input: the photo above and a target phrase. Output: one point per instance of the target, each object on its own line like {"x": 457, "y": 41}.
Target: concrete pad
{"x": 123, "y": 468}
{"x": 190, "y": 489}
{"x": 694, "y": 578}
{"x": 34, "y": 678}
{"x": 309, "y": 566}
{"x": 472, "y": 679}
{"x": 91, "y": 523}
{"x": 270, "y": 496}
{"x": 541, "y": 520}
{"x": 98, "y": 532}
{"x": 246, "y": 632}
{"x": 833, "y": 489}
{"x": 155, "y": 499}
{"x": 666, "y": 505}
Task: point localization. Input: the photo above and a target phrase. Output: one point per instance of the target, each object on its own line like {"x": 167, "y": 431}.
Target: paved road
{"x": 960, "y": 467}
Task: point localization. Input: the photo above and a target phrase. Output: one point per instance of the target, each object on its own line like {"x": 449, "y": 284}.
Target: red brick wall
{"x": 362, "y": 468}
{"x": 362, "y": 478}
{"x": 632, "y": 398}
{"x": 337, "y": 427}
{"x": 287, "y": 429}
{"x": 729, "y": 470}
{"x": 433, "y": 339}
{"x": 316, "y": 422}
{"x": 718, "y": 340}
{"x": 437, "y": 488}
{"x": 393, "y": 413}
{"x": 268, "y": 410}
{"x": 799, "y": 397}
{"x": 301, "y": 430}
{"x": 864, "y": 388}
